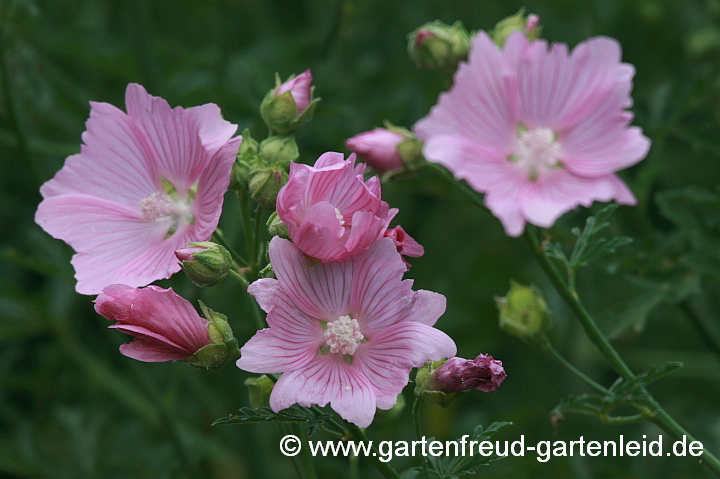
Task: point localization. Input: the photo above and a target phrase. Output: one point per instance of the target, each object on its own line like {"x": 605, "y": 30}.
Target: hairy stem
{"x": 383, "y": 467}
{"x": 550, "y": 349}
{"x": 417, "y": 405}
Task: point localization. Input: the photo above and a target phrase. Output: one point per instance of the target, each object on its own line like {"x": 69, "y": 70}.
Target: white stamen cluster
{"x": 536, "y": 150}
{"x": 343, "y": 335}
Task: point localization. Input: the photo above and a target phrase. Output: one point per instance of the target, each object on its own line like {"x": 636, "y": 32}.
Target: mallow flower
{"x": 345, "y": 333}
{"x": 144, "y": 184}
{"x": 166, "y": 327}
{"x": 538, "y": 129}
{"x": 405, "y": 244}
{"x": 330, "y": 211}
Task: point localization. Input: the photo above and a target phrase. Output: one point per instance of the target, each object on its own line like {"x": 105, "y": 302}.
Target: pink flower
{"x": 457, "y": 374}
{"x": 145, "y": 184}
{"x": 539, "y": 131}
{"x": 377, "y": 148}
{"x": 330, "y": 212}
{"x": 300, "y": 88}
{"x": 165, "y": 326}
{"x": 345, "y": 333}
{"x": 405, "y": 243}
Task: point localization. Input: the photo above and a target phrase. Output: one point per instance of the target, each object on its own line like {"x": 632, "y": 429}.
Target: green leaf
{"x": 314, "y": 419}
{"x": 635, "y": 386}
{"x": 459, "y": 465}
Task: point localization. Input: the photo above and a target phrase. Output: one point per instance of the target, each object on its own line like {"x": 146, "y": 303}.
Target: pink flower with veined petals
{"x": 330, "y": 211}
{"x": 378, "y": 148}
{"x": 165, "y": 325}
{"x": 145, "y": 183}
{"x": 539, "y": 131}
{"x": 300, "y": 88}
{"x": 345, "y": 333}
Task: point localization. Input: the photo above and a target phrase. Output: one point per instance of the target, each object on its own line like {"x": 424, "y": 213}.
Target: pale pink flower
{"x": 111, "y": 201}
{"x": 330, "y": 211}
{"x": 539, "y": 131}
{"x": 457, "y": 374}
{"x": 405, "y": 243}
{"x": 377, "y": 148}
{"x": 165, "y": 326}
{"x": 345, "y": 333}
{"x": 300, "y": 88}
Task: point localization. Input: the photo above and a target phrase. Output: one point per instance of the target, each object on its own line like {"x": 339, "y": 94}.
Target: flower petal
{"x": 327, "y": 379}
{"x": 264, "y": 291}
{"x": 273, "y": 350}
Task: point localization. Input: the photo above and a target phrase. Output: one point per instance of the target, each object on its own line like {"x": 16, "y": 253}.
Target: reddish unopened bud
{"x": 378, "y": 148}
{"x": 457, "y": 374}
{"x": 205, "y": 263}
{"x": 533, "y": 21}
{"x": 300, "y": 88}
{"x": 186, "y": 254}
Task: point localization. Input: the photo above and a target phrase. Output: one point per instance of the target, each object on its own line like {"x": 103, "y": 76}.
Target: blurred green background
{"x": 72, "y": 407}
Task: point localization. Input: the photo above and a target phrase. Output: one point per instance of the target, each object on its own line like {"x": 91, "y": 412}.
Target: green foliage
{"x": 453, "y": 467}
{"x": 589, "y": 244}
{"x": 315, "y": 419}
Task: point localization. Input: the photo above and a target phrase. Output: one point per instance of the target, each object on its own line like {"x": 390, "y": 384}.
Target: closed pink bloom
{"x": 377, "y": 148}
{"x": 457, "y": 374}
{"x": 537, "y": 129}
{"x": 165, "y": 326}
{"x": 345, "y": 333}
{"x": 300, "y": 88}
{"x": 405, "y": 243}
{"x": 330, "y": 211}
{"x": 145, "y": 183}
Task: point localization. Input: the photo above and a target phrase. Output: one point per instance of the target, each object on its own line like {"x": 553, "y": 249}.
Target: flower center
{"x": 536, "y": 151}
{"x": 340, "y": 217}
{"x": 166, "y": 204}
{"x": 343, "y": 335}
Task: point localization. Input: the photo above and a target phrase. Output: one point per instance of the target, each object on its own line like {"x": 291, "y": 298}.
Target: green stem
{"x": 22, "y": 143}
{"x": 661, "y": 418}
{"x": 710, "y": 341}
{"x": 239, "y": 278}
{"x": 247, "y": 228}
{"x": 418, "y": 434}
{"x": 258, "y": 238}
{"x": 548, "y": 347}
{"x": 383, "y": 467}
{"x": 219, "y": 238}
{"x": 307, "y": 459}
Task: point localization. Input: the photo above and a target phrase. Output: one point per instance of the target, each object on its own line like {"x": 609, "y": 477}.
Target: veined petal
{"x": 272, "y": 351}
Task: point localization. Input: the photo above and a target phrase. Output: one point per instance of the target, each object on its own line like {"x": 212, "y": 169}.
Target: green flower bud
{"x": 259, "y": 389}
{"x": 523, "y": 312}
{"x": 265, "y": 184}
{"x": 289, "y": 105}
{"x": 223, "y": 347}
{"x": 529, "y": 25}
{"x": 279, "y": 150}
{"x": 245, "y": 161}
{"x": 276, "y": 226}
{"x": 205, "y": 263}
{"x": 436, "y": 45}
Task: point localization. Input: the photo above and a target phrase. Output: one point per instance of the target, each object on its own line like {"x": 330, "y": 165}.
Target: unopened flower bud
{"x": 223, "y": 345}
{"x": 441, "y": 382}
{"x": 265, "y": 185}
{"x": 279, "y": 150}
{"x": 259, "y": 389}
{"x": 245, "y": 161}
{"x": 529, "y": 25}
{"x": 523, "y": 312}
{"x": 378, "y": 148}
{"x": 289, "y": 104}
{"x": 277, "y": 227}
{"x": 436, "y": 45}
{"x": 205, "y": 263}
{"x": 405, "y": 243}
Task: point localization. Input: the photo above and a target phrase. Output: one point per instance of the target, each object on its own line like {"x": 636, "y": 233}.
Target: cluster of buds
{"x": 437, "y": 46}
{"x": 205, "y": 263}
{"x": 441, "y": 382}
{"x": 387, "y": 149}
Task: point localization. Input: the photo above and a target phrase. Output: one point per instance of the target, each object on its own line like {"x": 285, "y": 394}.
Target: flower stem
{"x": 549, "y": 348}
{"x": 661, "y": 418}
{"x": 219, "y": 238}
{"x": 418, "y": 434}
{"x": 239, "y": 278}
{"x": 247, "y": 227}
{"x": 383, "y": 467}
{"x": 710, "y": 341}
